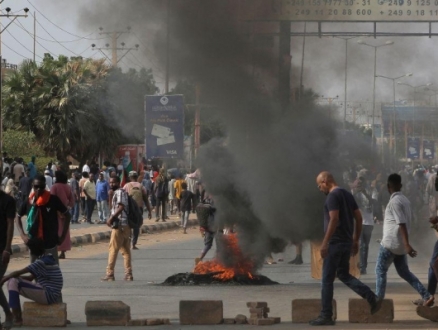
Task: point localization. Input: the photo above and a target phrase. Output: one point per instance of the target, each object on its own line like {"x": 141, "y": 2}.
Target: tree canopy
{"x": 78, "y": 107}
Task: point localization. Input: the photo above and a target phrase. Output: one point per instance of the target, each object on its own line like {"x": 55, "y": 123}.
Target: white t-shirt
{"x": 398, "y": 211}
{"x": 86, "y": 168}
{"x": 49, "y": 181}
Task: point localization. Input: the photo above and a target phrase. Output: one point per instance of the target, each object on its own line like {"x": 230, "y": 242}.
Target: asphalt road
{"x": 165, "y": 254}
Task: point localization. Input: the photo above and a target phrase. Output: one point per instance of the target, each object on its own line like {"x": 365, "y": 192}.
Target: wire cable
{"x": 14, "y": 51}
{"x": 30, "y": 51}
{"x": 72, "y": 34}
{"x": 18, "y": 23}
{"x": 55, "y": 38}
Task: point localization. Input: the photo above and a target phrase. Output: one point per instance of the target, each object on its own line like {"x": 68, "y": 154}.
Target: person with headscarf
{"x": 62, "y": 190}
{"x": 10, "y": 188}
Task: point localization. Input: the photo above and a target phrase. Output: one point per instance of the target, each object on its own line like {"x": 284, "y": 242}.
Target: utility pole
{"x": 197, "y": 119}
{"x": 34, "y": 36}
{"x": 284, "y": 65}
{"x": 115, "y": 35}
{"x": 168, "y": 49}
{"x": 12, "y": 19}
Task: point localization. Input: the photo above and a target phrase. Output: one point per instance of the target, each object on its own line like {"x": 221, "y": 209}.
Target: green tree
{"x": 63, "y": 103}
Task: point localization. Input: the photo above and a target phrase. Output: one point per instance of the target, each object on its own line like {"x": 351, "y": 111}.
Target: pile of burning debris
{"x": 240, "y": 272}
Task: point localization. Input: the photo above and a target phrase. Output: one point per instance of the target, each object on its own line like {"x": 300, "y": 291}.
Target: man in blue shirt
{"x": 342, "y": 227}
{"x": 102, "y": 188}
{"x": 32, "y": 168}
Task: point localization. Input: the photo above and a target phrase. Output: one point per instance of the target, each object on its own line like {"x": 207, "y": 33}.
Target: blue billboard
{"x": 413, "y": 151}
{"x": 428, "y": 149}
{"x": 164, "y": 122}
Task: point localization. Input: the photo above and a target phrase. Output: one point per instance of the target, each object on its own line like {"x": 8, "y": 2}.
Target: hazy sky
{"x": 324, "y": 58}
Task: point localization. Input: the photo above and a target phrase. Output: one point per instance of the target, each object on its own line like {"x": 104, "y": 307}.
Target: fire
{"x": 242, "y": 266}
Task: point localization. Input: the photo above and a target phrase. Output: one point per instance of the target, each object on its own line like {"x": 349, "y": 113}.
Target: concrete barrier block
{"x": 359, "y": 312}
{"x": 241, "y": 319}
{"x": 37, "y": 315}
{"x": 305, "y": 310}
{"x": 154, "y": 321}
{"x": 276, "y": 319}
{"x": 109, "y": 313}
{"x": 136, "y": 323}
{"x": 430, "y": 313}
{"x": 201, "y": 312}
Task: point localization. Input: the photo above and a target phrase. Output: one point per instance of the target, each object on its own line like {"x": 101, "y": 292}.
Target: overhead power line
{"x": 30, "y": 51}
{"x": 54, "y": 37}
{"x": 72, "y": 34}
{"x": 42, "y": 46}
{"x": 14, "y": 51}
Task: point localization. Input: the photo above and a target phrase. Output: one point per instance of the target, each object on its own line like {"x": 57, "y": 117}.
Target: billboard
{"x": 340, "y": 10}
{"x": 413, "y": 150}
{"x": 164, "y": 126}
{"x": 428, "y": 149}
{"x": 130, "y": 155}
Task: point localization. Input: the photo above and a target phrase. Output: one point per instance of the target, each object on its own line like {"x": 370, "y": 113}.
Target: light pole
{"x": 393, "y": 110}
{"x": 414, "y": 110}
{"x": 361, "y": 42}
{"x": 435, "y": 93}
{"x": 345, "y": 83}
{"x": 330, "y": 100}
{"x": 12, "y": 18}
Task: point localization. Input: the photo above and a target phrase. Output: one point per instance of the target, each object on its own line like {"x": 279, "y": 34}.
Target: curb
{"x": 100, "y": 236}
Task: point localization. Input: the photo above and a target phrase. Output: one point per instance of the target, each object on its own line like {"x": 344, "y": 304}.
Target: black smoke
{"x": 262, "y": 175}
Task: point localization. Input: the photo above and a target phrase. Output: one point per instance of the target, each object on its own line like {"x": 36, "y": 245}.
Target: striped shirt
{"x": 48, "y": 274}
{"x": 120, "y": 197}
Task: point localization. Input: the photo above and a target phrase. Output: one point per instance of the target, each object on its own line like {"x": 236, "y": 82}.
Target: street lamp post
{"x": 414, "y": 88}
{"x": 393, "y": 110}
{"x": 345, "y": 83}
{"x": 361, "y": 42}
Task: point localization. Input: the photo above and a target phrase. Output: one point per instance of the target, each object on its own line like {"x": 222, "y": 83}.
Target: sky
{"x": 323, "y": 60}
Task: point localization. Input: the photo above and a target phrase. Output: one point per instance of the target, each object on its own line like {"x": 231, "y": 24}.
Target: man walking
{"x": 74, "y": 185}
{"x": 395, "y": 242}
{"x": 102, "y": 188}
{"x": 90, "y": 196}
{"x": 138, "y": 193}
{"x": 342, "y": 226}
{"x": 7, "y": 214}
{"x": 121, "y": 232}
{"x": 364, "y": 196}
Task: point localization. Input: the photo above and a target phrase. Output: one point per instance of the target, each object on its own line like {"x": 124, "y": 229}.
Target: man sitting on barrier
{"x": 47, "y": 288}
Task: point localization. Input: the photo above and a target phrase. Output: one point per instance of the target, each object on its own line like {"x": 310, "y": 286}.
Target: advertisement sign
{"x": 164, "y": 122}
{"x": 339, "y": 10}
{"x": 131, "y": 156}
{"x": 413, "y": 151}
{"x": 428, "y": 149}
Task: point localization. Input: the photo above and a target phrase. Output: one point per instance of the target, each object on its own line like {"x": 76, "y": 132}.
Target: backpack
{"x": 203, "y": 212}
{"x": 134, "y": 214}
{"x": 136, "y": 194}
{"x": 162, "y": 189}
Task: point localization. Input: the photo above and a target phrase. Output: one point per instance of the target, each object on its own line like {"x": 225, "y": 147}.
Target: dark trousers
{"x": 136, "y": 232}
{"x": 337, "y": 262}
{"x": 432, "y": 278}
{"x": 365, "y": 237}
{"x": 90, "y": 208}
{"x": 83, "y": 207}
{"x": 161, "y": 203}
{"x": 3, "y": 300}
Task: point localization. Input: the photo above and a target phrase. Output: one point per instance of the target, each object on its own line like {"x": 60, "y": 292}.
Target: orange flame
{"x": 241, "y": 267}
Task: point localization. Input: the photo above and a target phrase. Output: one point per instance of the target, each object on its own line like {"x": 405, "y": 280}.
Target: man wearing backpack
{"x": 138, "y": 193}
{"x": 120, "y": 233}
{"x": 161, "y": 190}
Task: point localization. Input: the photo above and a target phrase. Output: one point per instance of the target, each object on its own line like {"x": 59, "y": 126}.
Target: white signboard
{"x": 340, "y": 10}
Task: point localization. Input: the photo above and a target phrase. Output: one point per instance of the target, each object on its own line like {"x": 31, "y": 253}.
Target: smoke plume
{"x": 262, "y": 176}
